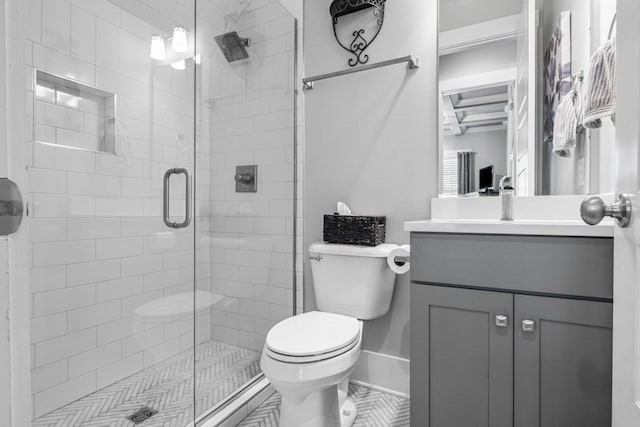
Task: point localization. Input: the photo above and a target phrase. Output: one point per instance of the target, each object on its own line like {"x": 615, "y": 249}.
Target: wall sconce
{"x": 361, "y": 40}
{"x": 179, "y": 42}
{"x": 157, "y": 48}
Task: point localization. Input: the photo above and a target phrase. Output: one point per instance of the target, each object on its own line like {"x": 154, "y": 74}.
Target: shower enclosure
{"x": 154, "y": 274}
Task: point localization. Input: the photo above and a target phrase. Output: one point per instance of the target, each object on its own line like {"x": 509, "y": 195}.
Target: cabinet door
{"x": 563, "y": 365}
{"x": 461, "y": 360}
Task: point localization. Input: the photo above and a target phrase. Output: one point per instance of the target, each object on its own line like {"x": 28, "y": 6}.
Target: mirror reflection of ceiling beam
{"x": 489, "y": 99}
{"x": 478, "y": 129}
{"x": 479, "y": 109}
{"x": 476, "y": 119}
{"x": 449, "y": 108}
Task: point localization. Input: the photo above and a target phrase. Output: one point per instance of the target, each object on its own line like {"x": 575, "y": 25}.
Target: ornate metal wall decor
{"x": 361, "y": 41}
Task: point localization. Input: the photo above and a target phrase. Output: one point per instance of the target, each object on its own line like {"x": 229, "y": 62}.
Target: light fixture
{"x": 179, "y": 65}
{"x": 179, "y": 42}
{"x": 157, "y": 48}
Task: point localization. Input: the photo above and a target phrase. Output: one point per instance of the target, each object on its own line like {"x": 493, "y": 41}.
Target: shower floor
{"x": 166, "y": 387}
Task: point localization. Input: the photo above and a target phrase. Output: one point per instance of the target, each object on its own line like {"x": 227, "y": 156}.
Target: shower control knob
{"x": 593, "y": 209}
{"x": 244, "y": 177}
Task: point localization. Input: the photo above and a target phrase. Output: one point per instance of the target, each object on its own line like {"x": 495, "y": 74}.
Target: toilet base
{"x": 318, "y": 409}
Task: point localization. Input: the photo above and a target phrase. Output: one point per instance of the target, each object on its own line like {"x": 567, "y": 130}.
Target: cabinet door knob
{"x": 528, "y": 325}
{"x": 502, "y": 321}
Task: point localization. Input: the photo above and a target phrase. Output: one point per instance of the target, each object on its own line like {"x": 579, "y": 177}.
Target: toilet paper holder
{"x": 401, "y": 260}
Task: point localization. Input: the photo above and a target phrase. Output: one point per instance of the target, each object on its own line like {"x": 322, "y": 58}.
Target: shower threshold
{"x": 167, "y": 387}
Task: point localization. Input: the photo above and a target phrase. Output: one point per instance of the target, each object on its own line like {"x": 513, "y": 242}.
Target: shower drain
{"x": 142, "y": 415}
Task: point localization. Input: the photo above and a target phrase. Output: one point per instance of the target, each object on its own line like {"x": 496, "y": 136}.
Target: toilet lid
{"x": 313, "y": 333}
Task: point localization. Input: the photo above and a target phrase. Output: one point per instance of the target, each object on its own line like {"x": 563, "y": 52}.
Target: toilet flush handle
{"x": 315, "y": 257}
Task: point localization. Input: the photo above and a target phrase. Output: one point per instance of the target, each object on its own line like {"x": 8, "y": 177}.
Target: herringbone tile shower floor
{"x": 375, "y": 409}
{"x": 167, "y": 387}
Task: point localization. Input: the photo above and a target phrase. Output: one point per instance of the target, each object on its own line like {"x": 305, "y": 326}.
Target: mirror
{"x": 514, "y": 90}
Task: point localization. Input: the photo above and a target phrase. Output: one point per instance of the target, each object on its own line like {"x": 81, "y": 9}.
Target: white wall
{"x": 252, "y": 122}
{"x": 371, "y": 141}
{"x": 481, "y": 59}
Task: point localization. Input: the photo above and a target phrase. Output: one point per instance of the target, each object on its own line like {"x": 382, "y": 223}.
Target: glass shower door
{"x": 111, "y": 221}
{"x": 246, "y": 145}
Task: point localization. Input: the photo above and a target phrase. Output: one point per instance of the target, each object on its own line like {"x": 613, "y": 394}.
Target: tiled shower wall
{"x": 252, "y": 118}
{"x": 99, "y": 248}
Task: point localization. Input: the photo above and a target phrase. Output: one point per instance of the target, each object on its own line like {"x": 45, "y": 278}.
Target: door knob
{"x": 593, "y": 209}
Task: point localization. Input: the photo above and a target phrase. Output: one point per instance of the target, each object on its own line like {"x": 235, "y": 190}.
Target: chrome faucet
{"x": 506, "y": 194}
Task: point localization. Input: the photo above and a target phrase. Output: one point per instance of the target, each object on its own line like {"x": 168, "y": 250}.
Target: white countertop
{"x": 518, "y": 227}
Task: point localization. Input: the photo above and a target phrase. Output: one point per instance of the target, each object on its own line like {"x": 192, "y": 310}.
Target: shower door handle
{"x": 167, "y": 199}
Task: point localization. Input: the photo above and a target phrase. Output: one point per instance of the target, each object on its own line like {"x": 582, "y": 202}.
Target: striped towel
{"x": 600, "y": 97}
{"x": 568, "y": 123}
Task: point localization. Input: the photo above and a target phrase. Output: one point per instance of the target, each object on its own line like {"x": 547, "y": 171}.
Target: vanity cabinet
{"x": 511, "y": 330}
{"x": 562, "y": 368}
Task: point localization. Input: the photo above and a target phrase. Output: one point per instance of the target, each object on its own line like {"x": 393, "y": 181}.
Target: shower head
{"x": 233, "y": 46}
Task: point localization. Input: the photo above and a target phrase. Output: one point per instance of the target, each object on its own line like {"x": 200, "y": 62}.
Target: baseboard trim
{"x": 382, "y": 372}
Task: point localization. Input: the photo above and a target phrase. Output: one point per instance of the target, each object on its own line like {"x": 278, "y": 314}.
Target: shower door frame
{"x": 14, "y": 29}
{"x": 230, "y": 403}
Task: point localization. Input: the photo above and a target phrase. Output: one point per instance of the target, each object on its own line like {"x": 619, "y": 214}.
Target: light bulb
{"x": 157, "y": 48}
{"x": 179, "y": 43}
{"x": 179, "y": 65}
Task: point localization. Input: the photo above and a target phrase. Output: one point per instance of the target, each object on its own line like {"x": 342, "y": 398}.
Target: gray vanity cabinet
{"x": 493, "y": 344}
{"x": 465, "y": 361}
{"x": 562, "y": 363}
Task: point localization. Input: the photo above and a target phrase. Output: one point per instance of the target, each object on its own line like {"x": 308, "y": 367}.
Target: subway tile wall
{"x": 253, "y": 122}
{"x": 100, "y": 252}
{"x": 71, "y": 114}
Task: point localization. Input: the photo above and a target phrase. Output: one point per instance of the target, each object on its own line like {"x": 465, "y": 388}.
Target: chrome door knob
{"x": 528, "y": 325}
{"x": 593, "y": 210}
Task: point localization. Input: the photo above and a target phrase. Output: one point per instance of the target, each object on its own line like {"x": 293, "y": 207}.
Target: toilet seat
{"x": 313, "y": 336}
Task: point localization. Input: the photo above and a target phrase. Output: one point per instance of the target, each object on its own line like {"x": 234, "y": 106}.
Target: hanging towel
{"x": 600, "y": 96}
{"x": 568, "y": 123}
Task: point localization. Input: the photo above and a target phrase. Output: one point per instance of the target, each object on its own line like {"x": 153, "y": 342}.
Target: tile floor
{"x": 375, "y": 409}
{"x": 167, "y": 387}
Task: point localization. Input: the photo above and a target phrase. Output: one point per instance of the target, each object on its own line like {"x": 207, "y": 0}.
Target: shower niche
{"x": 73, "y": 115}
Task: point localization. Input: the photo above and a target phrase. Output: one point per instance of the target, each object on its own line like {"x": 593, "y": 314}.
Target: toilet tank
{"x": 352, "y": 280}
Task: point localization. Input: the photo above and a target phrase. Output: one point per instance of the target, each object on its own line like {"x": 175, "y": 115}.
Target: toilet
{"x": 308, "y": 358}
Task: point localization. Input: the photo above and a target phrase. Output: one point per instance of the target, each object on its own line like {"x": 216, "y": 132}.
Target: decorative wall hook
{"x": 361, "y": 40}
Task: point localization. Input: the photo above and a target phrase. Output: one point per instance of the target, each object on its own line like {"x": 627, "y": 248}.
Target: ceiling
{"x": 460, "y": 13}
{"x": 476, "y": 110}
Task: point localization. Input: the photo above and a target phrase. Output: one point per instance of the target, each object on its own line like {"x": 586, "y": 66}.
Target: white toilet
{"x": 308, "y": 358}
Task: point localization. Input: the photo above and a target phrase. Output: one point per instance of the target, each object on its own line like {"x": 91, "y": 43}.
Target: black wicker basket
{"x": 354, "y": 230}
